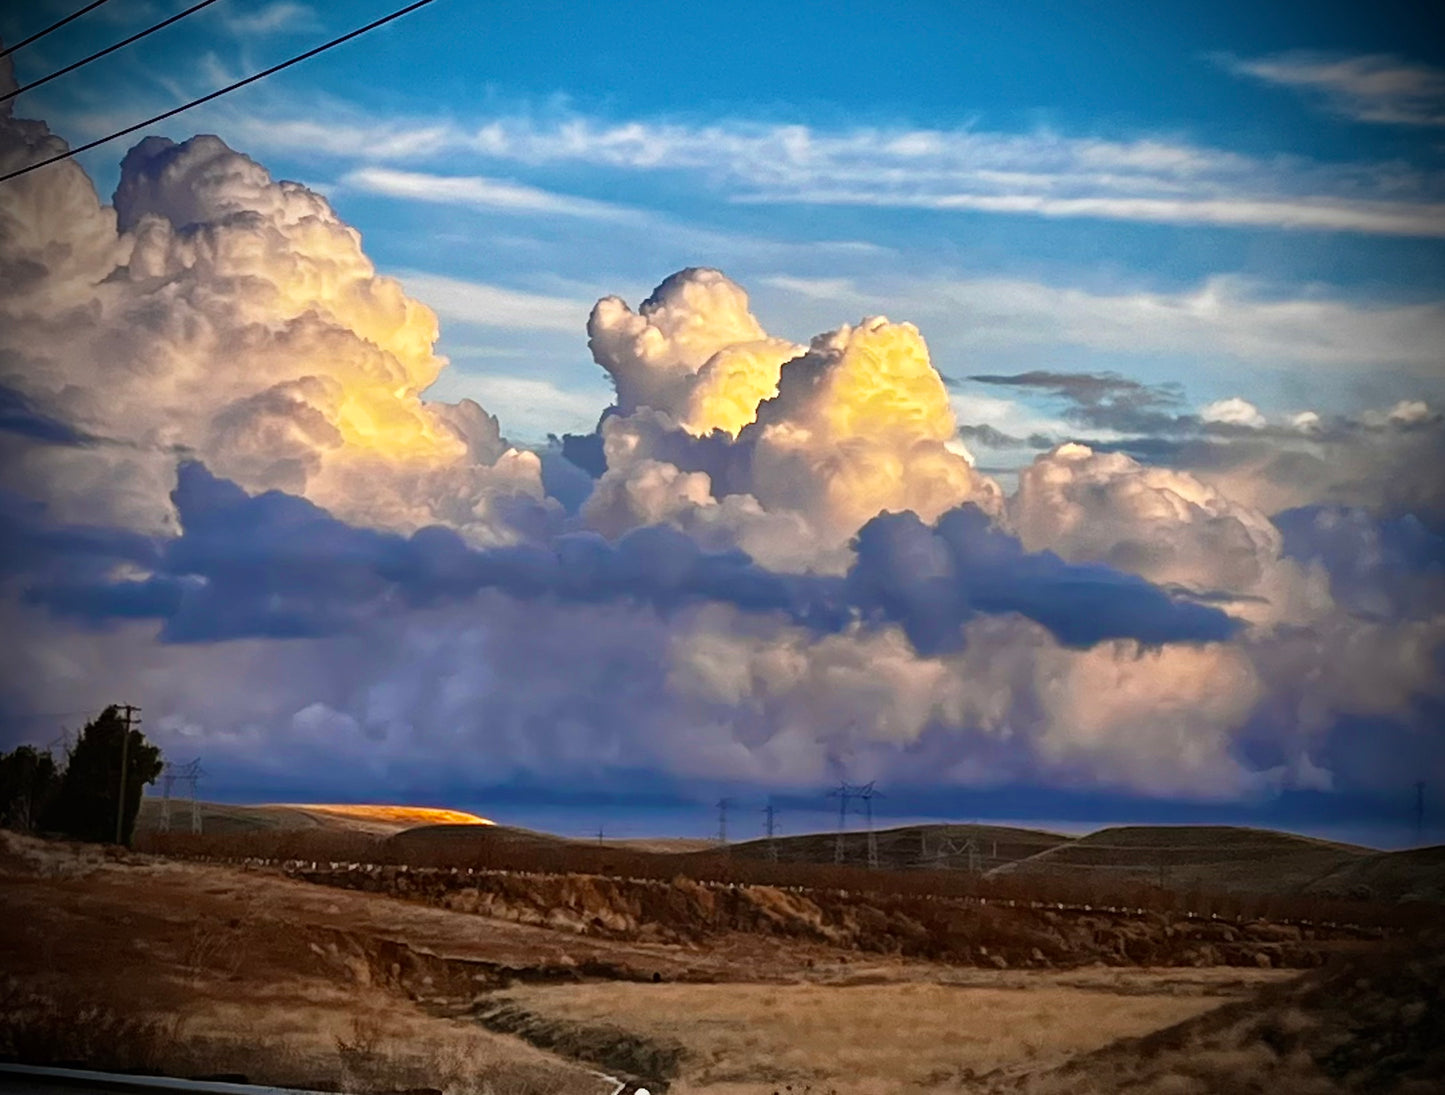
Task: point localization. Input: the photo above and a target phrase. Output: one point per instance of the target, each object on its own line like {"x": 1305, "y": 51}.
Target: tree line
{"x": 81, "y": 797}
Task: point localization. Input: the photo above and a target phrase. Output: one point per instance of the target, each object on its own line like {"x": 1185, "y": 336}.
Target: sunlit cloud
{"x": 1378, "y": 87}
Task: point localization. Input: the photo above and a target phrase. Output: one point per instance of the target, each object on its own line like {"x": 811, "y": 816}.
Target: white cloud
{"x": 494, "y": 195}
{"x": 482, "y": 305}
{"x": 1156, "y": 180}
{"x": 1223, "y": 316}
{"x": 215, "y": 312}
{"x": 1376, "y": 87}
{"x": 282, "y": 15}
{"x": 533, "y": 407}
{"x": 1234, "y": 411}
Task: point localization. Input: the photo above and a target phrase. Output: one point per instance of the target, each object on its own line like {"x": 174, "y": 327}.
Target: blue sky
{"x": 1210, "y": 236}
{"x": 632, "y": 140}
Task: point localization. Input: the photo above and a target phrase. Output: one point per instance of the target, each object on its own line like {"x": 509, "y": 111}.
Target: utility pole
{"x": 769, "y": 813}
{"x": 130, "y": 713}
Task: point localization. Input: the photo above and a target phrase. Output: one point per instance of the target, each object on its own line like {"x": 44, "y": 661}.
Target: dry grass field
{"x": 871, "y": 1034}
{"x": 397, "y": 979}
{"x": 1216, "y": 857}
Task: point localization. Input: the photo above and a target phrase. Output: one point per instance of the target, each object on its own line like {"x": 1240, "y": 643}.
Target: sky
{"x": 499, "y": 409}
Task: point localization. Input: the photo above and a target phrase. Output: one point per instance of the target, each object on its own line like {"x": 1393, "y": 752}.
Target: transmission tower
{"x": 947, "y": 848}
{"x": 843, "y": 792}
{"x": 168, "y": 781}
{"x": 188, "y": 777}
{"x": 868, "y": 794}
{"x": 722, "y": 820}
{"x": 769, "y": 814}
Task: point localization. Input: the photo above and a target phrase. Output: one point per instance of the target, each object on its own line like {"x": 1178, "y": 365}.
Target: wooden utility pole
{"x": 130, "y": 713}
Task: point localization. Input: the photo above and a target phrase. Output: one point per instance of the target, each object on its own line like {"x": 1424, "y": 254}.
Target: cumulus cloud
{"x": 819, "y": 440}
{"x": 1382, "y": 461}
{"x": 274, "y": 565}
{"x": 224, "y": 485}
{"x": 215, "y": 312}
{"x": 692, "y": 350}
{"x": 1234, "y": 411}
{"x": 1164, "y": 525}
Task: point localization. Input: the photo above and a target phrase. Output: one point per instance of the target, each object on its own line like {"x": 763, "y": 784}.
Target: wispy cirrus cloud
{"x": 1039, "y": 174}
{"x": 282, "y": 15}
{"x": 1376, "y": 87}
{"x": 482, "y": 305}
{"x": 1222, "y": 316}
{"x": 480, "y": 192}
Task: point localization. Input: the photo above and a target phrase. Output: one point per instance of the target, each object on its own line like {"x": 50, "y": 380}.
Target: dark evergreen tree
{"x": 84, "y": 807}
{"x": 28, "y": 782}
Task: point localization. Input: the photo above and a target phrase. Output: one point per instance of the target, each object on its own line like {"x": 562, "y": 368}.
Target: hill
{"x": 224, "y": 819}
{"x": 958, "y": 847}
{"x": 1218, "y": 858}
{"x": 1415, "y": 874}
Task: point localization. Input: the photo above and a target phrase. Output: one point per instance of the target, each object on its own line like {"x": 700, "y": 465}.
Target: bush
{"x": 85, "y": 803}
{"x": 28, "y": 783}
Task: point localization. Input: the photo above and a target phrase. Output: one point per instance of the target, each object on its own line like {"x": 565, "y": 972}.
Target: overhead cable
{"x": 215, "y": 94}
{"x": 8, "y": 50}
{"x": 136, "y": 37}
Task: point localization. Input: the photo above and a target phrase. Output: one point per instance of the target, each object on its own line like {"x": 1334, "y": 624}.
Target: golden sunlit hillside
{"x": 406, "y": 815}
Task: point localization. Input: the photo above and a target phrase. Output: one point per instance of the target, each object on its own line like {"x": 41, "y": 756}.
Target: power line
{"x": 217, "y": 94}
{"x": 136, "y": 37}
{"x": 53, "y": 26}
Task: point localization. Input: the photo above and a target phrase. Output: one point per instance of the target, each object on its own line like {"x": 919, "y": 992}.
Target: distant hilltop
{"x": 402, "y": 815}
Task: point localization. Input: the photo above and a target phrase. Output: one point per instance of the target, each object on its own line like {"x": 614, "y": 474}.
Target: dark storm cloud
{"x": 932, "y": 580}
{"x": 19, "y": 417}
{"x": 275, "y": 565}
{"x": 1107, "y": 400}
{"x": 1391, "y": 568}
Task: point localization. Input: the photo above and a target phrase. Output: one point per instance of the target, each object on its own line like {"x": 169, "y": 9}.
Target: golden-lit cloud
{"x": 235, "y": 319}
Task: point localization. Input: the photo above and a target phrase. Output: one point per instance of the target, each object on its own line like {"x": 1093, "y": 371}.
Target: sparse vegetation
{"x": 64, "y": 1029}
{"x": 500, "y": 848}
{"x": 82, "y": 799}
{"x": 486, "y": 983}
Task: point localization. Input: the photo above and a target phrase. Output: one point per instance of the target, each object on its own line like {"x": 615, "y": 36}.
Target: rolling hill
{"x": 1218, "y": 858}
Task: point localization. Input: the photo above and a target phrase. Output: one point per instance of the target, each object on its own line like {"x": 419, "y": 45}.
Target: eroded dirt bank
{"x": 956, "y": 931}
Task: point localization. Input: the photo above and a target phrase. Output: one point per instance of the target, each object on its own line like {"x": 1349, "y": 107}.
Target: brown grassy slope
{"x": 112, "y": 960}
{"x": 1416, "y": 874}
{"x": 1217, "y": 858}
{"x": 1375, "y": 1023}
{"x": 911, "y": 846}
{"x": 219, "y": 818}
